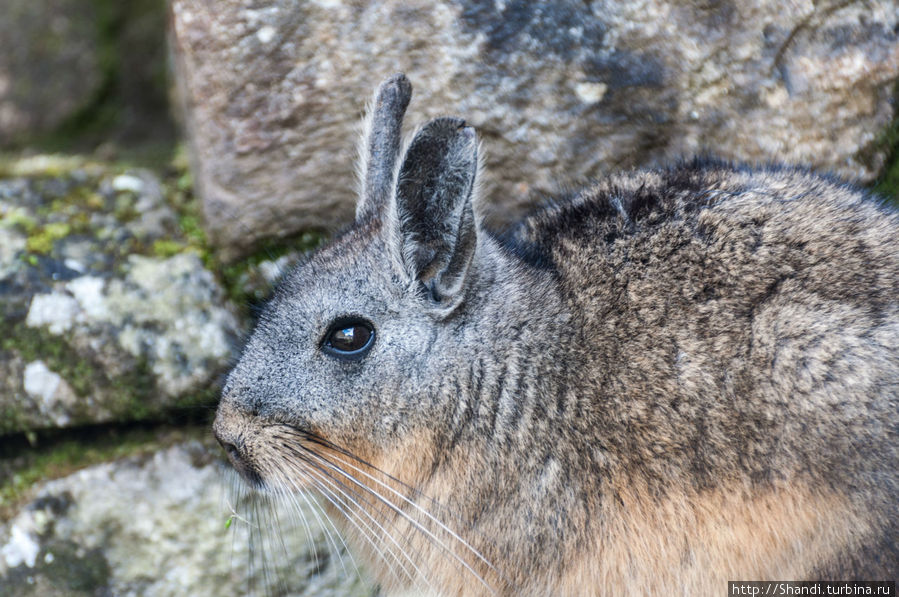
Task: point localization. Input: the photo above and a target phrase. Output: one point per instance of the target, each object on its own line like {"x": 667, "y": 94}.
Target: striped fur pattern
{"x": 665, "y": 381}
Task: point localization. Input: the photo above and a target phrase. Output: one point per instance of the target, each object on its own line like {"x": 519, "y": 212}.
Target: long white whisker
{"x": 367, "y": 533}
{"x": 365, "y": 530}
{"x": 276, "y": 539}
{"x": 423, "y": 511}
{"x": 286, "y": 480}
{"x": 416, "y": 524}
{"x": 322, "y": 516}
{"x": 302, "y": 517}
{"x": 252, "y": 539}
{"x": 270, "y": 542}
{"x": 416, "y": 492}
{"x": 323, "y": 478}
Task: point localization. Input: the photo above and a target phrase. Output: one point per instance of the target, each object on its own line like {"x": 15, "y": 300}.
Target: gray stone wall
{"x": 558, "y": 92}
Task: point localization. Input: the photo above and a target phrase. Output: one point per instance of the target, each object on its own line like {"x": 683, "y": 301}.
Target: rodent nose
{"x": 229, "y": 432}
{"x": 220, "y": 429}
{"x": 224, "y": 439}
{"x": 230, "y": 449}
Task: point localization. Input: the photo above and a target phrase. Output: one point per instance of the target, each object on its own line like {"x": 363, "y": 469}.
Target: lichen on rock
{"x": 155, "y": 525}
{"x": 96, "y": 324}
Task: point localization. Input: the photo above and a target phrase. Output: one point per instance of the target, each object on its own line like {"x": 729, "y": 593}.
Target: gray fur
{"x": 659, "y": 338}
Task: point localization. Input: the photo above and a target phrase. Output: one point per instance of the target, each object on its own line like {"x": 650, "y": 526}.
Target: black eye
{"x": 349, "y": 338}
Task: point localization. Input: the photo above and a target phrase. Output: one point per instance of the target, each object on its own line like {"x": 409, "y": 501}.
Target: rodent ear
{"x": 381, "y": 144}
{"x": 437, "y": 227}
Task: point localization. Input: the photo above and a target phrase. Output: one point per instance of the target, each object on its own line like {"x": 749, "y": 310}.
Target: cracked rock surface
{"x": 103, "y": 316}
{"x": 156, "y": 525}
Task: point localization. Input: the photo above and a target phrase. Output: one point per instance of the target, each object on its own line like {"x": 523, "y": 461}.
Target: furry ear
{"x": 381, "y": 144}
{"x": 437, "y": 226}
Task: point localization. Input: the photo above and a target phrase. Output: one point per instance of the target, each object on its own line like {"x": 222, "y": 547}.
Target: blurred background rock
{"x": 133, "y": 250}
{"x": 86, "y": 76}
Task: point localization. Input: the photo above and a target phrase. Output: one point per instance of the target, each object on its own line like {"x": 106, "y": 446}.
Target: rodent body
{"x": 666, "y": 381}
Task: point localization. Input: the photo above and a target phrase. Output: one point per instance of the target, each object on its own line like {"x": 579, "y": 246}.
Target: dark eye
{"x": 349, "y": 339}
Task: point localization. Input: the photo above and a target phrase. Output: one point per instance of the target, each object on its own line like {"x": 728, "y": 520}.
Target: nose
{"x": 225, "y": 442}
{"x": 224, "y": 433}
{"x": 231, "y": 430}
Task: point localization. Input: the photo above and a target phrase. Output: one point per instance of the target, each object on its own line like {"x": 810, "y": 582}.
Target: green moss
{"x": 133, "y": 393}
{"x": 82, "y": 198}
{"x": 39, "y": 243}
{"x": 43, "y": 240}
{"x": 235, "y": 276}
{"x": 128, "y": 396}
{"x": 124, "y": 209}
{"x": 34, "y": 344}
{"x": 132, "y": 396}
{"x": 19, "y": 218}
{"x": 888, "y": 183}
{"x": 43, "y": 165}
{"x": 167, "y": 248}
{"x": 57, "y": 230}
{"x": 185, "y": 182}
{"x": 11, "y": 420}
{"x": 180, "y": 195}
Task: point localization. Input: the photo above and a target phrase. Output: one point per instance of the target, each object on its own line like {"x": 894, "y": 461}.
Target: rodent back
{"x": 732, "y": 312}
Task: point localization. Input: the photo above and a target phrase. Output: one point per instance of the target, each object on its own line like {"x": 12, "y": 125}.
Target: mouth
{"x": 241, "y": 463}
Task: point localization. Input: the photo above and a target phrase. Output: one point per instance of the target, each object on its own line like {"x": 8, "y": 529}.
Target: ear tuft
{"x": 381, "y": 144}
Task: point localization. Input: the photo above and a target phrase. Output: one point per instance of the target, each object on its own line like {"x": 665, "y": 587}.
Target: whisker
{"x": 286, "y": 496}
{"x": 286, "y": 480}
{"x": 235, "y": 488}
{"x": 265, "y": 513}
{"x": 251, "y": 544}
{"x": 323, "y": 476}
{"x": 312, "y": 438}
{"x": 316, "y": 467}
{"x": 412, "y": 503}
{"x": 416, "y": 524}
{"x": 273, "y": 515}
{"x": 321, "y": 515}
{"x": 417, "y": 493}
{"x": 298, "y": 514}
{"x": 366, "y": 533}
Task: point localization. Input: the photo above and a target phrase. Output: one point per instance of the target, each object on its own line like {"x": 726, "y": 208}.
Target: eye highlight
{"x": 349, "y": 339}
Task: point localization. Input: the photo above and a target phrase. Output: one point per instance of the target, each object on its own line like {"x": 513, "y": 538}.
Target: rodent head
{"x": 348, "y": 350}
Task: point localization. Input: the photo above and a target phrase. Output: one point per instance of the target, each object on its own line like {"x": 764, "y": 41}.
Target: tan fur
{"x": 692, "y": 545}
{"x": 689, "y": 543}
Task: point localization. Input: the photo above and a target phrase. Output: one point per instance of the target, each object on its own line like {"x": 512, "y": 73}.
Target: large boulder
{"x": 106, "y": 312}
{"x": 169, "y": 523}
{"x": 558, "y": 91}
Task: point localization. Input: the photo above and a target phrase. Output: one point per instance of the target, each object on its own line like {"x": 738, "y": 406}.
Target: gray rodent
{"x": 667, "y": 380}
